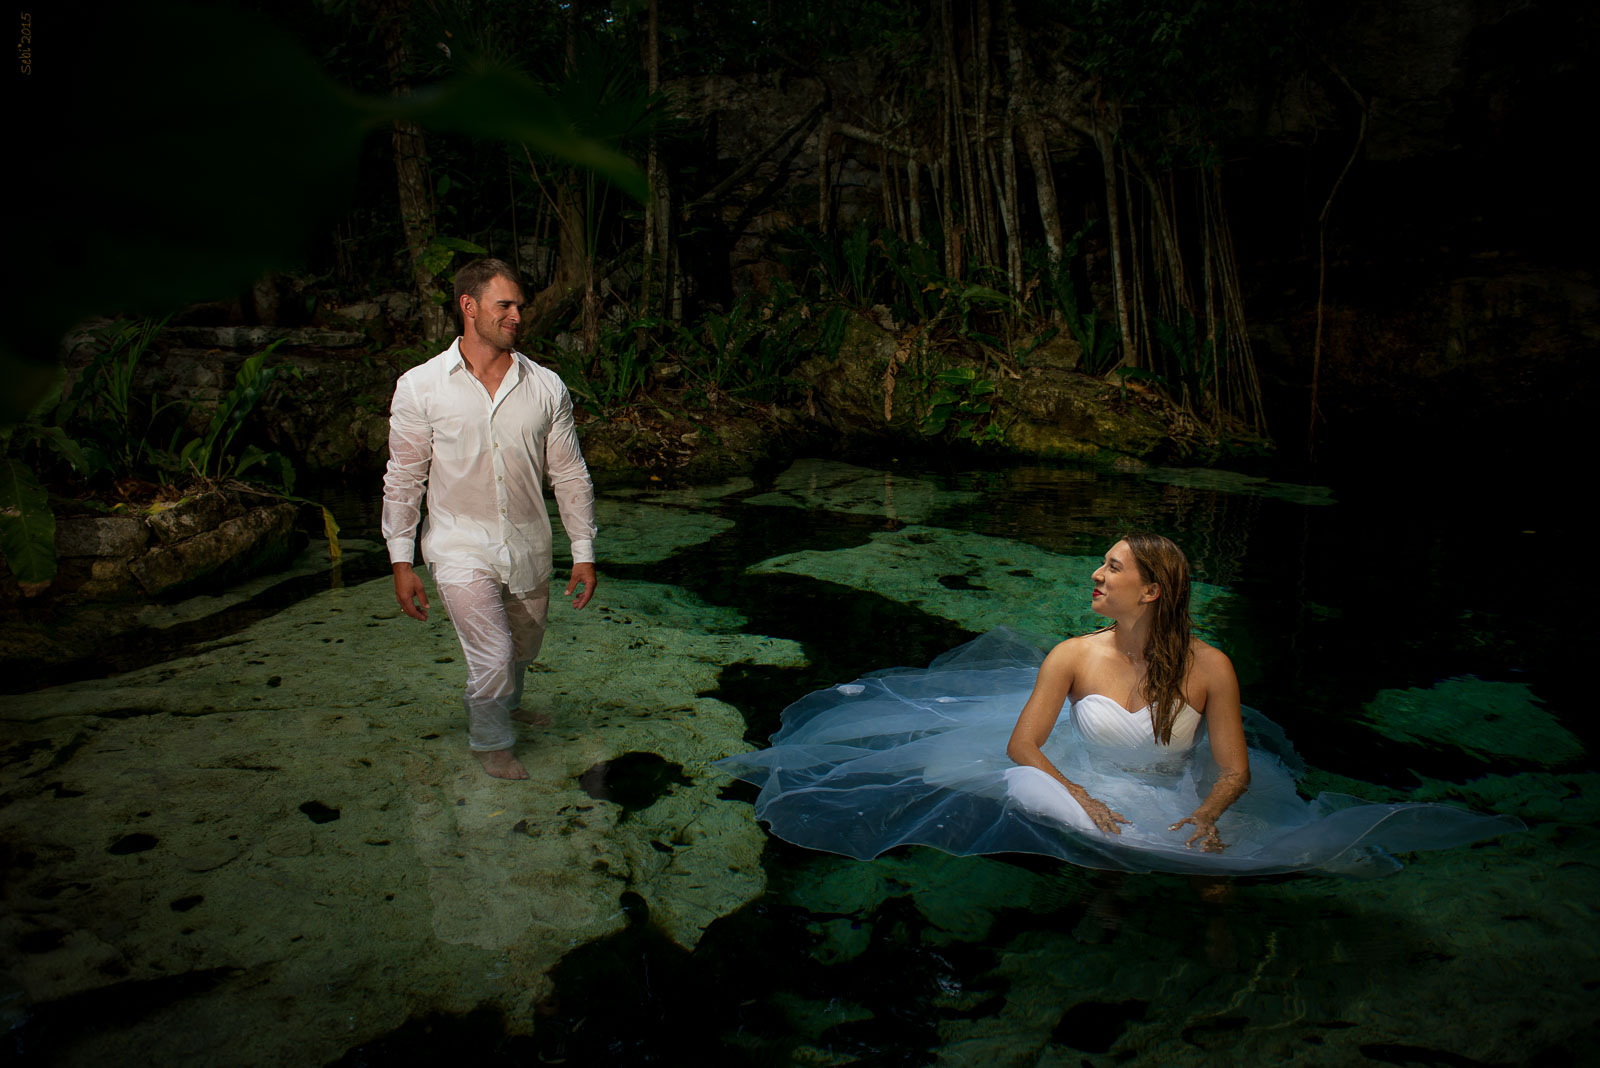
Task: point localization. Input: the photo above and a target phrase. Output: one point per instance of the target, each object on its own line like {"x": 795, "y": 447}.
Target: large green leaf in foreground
{"x": 27, "y": 526}
{"x": 221, "y": 150}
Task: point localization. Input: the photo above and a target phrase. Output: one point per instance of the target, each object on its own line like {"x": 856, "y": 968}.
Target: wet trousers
{"x": 500, "y": 633}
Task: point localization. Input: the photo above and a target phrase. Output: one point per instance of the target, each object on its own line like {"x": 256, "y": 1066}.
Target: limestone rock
{"x": 255, "y": 338}
{"x": 1069, "y": 416}
{"x": 839, "y": 487}
{"x": 1484, "y": 718}
{"x": 192, "y": 515}
{"x": 109, "y": 536}
{"x": 261, "y": 532}
{"x": 360, "y": 312}
{"x": 848, "y": 391}
{"x": 973, "y": 580}
{"x": 437, "y": 889}
{"x": 1059, "y": 353}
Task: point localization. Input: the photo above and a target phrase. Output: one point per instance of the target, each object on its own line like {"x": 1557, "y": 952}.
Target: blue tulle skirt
{"x": 917, "y": 757}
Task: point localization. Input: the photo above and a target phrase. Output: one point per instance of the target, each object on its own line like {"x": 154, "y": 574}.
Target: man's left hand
{"x": 582, "y": 575}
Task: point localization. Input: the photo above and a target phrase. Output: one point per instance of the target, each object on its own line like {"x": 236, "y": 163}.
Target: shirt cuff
{"x": 583, "y": 552}
{"x": 402, "y": 550}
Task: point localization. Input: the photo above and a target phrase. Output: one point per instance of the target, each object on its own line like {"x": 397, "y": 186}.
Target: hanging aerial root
{"x": 902, "y": 353}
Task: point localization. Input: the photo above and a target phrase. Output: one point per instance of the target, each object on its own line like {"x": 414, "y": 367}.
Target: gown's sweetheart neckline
{"x": 1110, "y": 723}
{"x": 1134, "y": 712}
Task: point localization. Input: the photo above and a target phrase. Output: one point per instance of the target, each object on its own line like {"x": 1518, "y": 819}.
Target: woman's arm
{"x": 1051, "y": 689}
{"x": 1225, "y": 726}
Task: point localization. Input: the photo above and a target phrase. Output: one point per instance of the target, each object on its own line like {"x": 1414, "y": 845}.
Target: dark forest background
{"x": 1357, "y": 234}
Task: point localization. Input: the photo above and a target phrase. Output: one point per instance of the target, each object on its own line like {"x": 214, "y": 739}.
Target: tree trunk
{"x": 1138, "y": 301}
{"x": 914, "y": 197}
{"x": 1107, "y": 147}
{"x": 656, "y": 207}
{"x": 824, "y": 131}
{"x": 1234, "y": 343}
{"x": 985, "y": 176}
{"x": 411, "y": 172}
{"x": 960, "y": 146}
{"x": 889, "y": 184}
{"x": 547, "y": 307}
{"x": 1010, "y": 208}
{"x": 1006, "y": 181}
{"x": 939, "y": 170}
{"x": 1045, "y": 187}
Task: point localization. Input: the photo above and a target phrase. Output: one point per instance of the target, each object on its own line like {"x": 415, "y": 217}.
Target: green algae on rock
{"x": 974, "y": 580}
{"x": 1234, "y": 482}
{"x": 1484, "y": 719}
{"x": 438, "y": 889}
{"x": 959, "y": 896}
{"x": 839, "y": 487}
{"x": 707, "y": 496}
{"x": 639, "y": 533}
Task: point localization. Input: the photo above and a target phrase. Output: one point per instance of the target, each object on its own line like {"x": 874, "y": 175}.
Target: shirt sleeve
{"x": 410, "y": 453}
{"x": 570, "y": 481}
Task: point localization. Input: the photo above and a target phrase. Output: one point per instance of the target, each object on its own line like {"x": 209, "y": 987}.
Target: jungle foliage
{"x": 109, "y": 437}
{"x": 971, "y": 109}
{"x": 1042, "y": 167}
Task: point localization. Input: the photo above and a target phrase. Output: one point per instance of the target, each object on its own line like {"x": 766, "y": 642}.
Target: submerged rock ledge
{"x": 295, "y": 797}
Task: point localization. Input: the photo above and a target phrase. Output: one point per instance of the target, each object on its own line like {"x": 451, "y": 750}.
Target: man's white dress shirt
{"x": 484, "y": 461}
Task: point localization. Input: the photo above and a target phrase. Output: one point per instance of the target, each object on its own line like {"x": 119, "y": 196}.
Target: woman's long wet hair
{"x": 1166, "y": 655}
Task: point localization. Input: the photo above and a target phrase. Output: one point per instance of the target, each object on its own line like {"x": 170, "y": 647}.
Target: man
{"x": 480, "y": 427}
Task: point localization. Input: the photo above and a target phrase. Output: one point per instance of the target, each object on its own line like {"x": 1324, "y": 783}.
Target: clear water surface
{"x": 263, "y": 840}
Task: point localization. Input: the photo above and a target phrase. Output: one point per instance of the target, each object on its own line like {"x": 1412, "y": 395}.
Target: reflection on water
{"x": 275, "y": 848}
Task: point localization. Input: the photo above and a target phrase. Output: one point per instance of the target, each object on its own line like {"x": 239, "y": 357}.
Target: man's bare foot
{"x": 537, "y": 719}
{"x": 501, "y": 764}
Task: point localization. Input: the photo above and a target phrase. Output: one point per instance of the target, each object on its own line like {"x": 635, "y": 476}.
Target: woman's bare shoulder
{"x": 1081, "y": 645}
{"x": 1211, "y": 667}
{"x": 1068, "y": 655}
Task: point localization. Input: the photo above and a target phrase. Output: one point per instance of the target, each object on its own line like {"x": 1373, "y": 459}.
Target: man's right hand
{"x": 408, "y": 591}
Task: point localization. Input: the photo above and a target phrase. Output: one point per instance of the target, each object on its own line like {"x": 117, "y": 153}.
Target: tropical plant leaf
{"x": 506, "y": 106}
{"x": 330, "y": 529}
{"x": 65, "y": 446}
{"x": 439, "y": 251}
{"x": 984, "y": 295}
{"x": 27, "y": 525}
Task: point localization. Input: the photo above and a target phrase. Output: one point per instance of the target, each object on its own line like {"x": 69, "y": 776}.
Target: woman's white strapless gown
{"x": 918, "y": 757}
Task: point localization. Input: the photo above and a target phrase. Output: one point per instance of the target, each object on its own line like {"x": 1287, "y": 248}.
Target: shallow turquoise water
{"x": 1409, "y": 651}
{"x": 1372, "y": 637}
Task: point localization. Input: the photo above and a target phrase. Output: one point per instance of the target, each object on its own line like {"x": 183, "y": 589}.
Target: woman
{"x": 1145, "y": 660}
{"x": 940, "y": 757}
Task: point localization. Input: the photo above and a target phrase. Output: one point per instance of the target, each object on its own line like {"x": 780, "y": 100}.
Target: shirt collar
{"x": 453, "y": 357}
{"x": 455, "y": 361}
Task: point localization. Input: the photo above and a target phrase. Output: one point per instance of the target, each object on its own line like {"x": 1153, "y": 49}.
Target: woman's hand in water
{"x": 1205, "y": 832}
{"x": 1103, "y": 817}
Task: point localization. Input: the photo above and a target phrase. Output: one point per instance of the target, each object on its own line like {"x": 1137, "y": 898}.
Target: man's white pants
{"x": 500, "y": 633}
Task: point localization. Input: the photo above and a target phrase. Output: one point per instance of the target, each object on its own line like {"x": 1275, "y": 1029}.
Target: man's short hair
{"x": 475, "y": 277}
